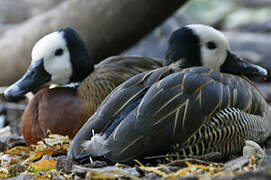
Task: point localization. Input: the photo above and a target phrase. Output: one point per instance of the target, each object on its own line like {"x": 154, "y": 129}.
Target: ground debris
{"x": 37, "y": 160}
{"x": 201, "y": 169}
{"x": 47, "y": 160}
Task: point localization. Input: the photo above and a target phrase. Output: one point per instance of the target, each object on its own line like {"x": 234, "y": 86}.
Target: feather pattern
{"x": 108, "y": 75}
{"x": 177, "y": 109}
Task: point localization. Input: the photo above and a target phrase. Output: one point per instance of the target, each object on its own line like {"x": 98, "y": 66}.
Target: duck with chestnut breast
{"x": 62, "y": 58}
{"x": 180, "y": 108}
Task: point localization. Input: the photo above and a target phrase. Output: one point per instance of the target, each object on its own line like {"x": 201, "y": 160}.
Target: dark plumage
{"x": 190, "y": 111}
{"x": 177, "y": 50}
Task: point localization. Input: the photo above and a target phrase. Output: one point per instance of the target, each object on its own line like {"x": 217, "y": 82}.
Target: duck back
{"x": 192, "y": 111}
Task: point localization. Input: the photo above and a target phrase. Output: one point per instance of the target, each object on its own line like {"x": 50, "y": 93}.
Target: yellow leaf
{"x": 43, "y": 165}
{"x": 18, "y": 149}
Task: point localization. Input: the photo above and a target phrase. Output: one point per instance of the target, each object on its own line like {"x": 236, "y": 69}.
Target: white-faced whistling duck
{"x": 180, "y": 108}
{"x": 62, "y": 58}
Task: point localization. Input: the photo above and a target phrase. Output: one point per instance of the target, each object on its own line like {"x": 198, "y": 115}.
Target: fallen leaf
{"x": 43, "y": 165}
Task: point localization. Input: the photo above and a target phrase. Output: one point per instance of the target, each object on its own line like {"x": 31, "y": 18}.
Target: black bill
{"x": 34, "y": 77}
{"x": 234, "y": 65}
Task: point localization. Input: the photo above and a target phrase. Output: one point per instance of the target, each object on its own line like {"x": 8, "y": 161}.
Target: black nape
{"x": 183, "y": 44}
{"x": 81, "y": 59}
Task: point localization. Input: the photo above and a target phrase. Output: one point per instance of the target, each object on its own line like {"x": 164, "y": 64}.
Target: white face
{"x": 53, "y": 49}
{"x": 213, "y": 46}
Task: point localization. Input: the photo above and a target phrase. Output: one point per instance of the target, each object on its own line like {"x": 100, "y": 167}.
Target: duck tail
{"x": 96, "y": 145}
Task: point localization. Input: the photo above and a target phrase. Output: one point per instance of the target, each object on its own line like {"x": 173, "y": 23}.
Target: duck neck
{"x": 83, "y": 69}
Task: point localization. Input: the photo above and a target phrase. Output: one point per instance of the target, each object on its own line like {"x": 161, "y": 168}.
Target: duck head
{"x": 201, "y": 45}
{"x": 59, "y": 57}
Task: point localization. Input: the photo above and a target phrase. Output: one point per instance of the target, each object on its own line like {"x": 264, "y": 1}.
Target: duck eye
{"x": 211, "y": 45}
{"x": 59, "y": 52}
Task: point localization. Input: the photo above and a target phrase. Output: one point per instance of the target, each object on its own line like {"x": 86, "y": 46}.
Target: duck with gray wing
{"x": 62, "y": 58}
{"x": 180, "y": 107}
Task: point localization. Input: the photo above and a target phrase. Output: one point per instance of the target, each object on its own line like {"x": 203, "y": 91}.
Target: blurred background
{"x": 247, "y": 24}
